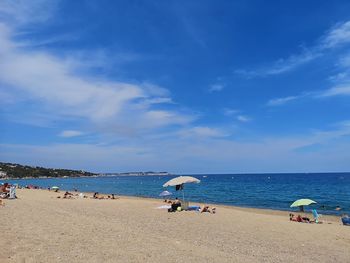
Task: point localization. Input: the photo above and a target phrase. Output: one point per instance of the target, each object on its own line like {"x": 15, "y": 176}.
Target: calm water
{"x": 274, "y": 191}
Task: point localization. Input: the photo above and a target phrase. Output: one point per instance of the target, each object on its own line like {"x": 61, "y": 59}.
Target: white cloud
{"x": 230, "y": 112}
{"x": 23, "y": 12}
{"x": 202, "y": 131}
{"x": 236, "y": 113}
{"x": 336, "y": 91}
{"x": 341, "y": 90}
{"x": 70, "y": 133}
{"x": 216, "y": 87}
{"x": 159, "y": 100}
{"x": 282, "y": 65}
{"x": 281, "y": 101}
{"x": 54, "y": 85}
{"x": 335, "y": 37}
{"x": 338, "y": 35}
{"x": 243, "y": 118}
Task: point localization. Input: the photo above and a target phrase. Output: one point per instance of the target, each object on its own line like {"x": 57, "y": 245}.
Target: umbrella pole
{"x": 183, "y": 195}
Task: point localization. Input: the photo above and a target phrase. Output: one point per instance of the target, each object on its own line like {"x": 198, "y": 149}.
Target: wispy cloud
{"x": 203, "y": 131}
{"x": 281, "y": 101}
{"x": 341, "y": 90}
{"x": 216, "y": 87}
{"x": 336, "y": 91}
{"x": 282, "y": 65}
{"x": 337, "y": 36}
{"x": 230, "y": 112}
{"x": 22, "y": 12}
{"x": 57, "y": 89}
{"x": 243, "y": 118}
{"x": 237, "y": 114}
{"x": 70, "y": 133}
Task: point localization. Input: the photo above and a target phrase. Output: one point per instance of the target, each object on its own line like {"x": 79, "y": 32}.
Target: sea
{"x": 275, "y": 191}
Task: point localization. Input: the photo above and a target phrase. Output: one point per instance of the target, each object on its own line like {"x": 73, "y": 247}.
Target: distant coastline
{"x": 18, "y": 171}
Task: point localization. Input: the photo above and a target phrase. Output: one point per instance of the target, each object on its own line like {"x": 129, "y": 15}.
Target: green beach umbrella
{"x": 302, "y": 202}
{"x": 55, "y": 188}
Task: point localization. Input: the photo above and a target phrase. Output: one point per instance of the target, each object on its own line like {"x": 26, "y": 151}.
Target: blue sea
{"x": 271, "y": 191}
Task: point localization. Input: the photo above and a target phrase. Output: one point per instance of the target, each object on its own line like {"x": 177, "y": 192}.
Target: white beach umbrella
{"x": 181, "y": 180}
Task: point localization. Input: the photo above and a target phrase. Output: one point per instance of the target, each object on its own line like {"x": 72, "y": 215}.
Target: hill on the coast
{"x": 13, "y": 170}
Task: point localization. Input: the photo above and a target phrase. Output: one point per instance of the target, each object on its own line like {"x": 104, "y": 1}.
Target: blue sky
{"x": 180, "y": 86}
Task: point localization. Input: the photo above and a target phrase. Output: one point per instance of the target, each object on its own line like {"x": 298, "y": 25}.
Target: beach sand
{"x": 38, "y": 227}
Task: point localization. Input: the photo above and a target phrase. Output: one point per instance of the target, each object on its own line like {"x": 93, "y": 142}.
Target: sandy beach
{"x": 39, "y": 227}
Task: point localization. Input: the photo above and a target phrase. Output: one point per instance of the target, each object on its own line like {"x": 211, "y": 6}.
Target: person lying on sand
{"x": 67, "y": 195}
{"x": 206, "y": 208}
{"x": 299, "y": 218}
{"x": 292, "y": 218}
{"x": 306, "y": 219}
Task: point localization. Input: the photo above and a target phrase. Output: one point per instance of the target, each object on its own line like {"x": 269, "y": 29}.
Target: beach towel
{"x": 163, "y": 207}
{"x": 194, "y": 208}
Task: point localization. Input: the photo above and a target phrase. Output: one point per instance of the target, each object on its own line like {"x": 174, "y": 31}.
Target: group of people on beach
{"x": 96, "y": 195}
{"x": 176, "y": 206}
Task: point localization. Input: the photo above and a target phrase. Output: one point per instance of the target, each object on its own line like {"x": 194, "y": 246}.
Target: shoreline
{"x": 280, "y": 208}
{"x": 255, "y": 210}
{"x": 272, "y": 210}
{"x": 44, "y": 228}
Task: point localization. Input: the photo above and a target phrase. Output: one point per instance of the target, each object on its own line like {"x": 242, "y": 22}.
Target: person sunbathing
{"x": 306, "y": 219}
{"x": 206, "y": 209}
{"x": 3, "y": 188}
{"x": 292, "y": 217}
{"x": 67, "y": 195}
{"x": 302, "y": 219}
